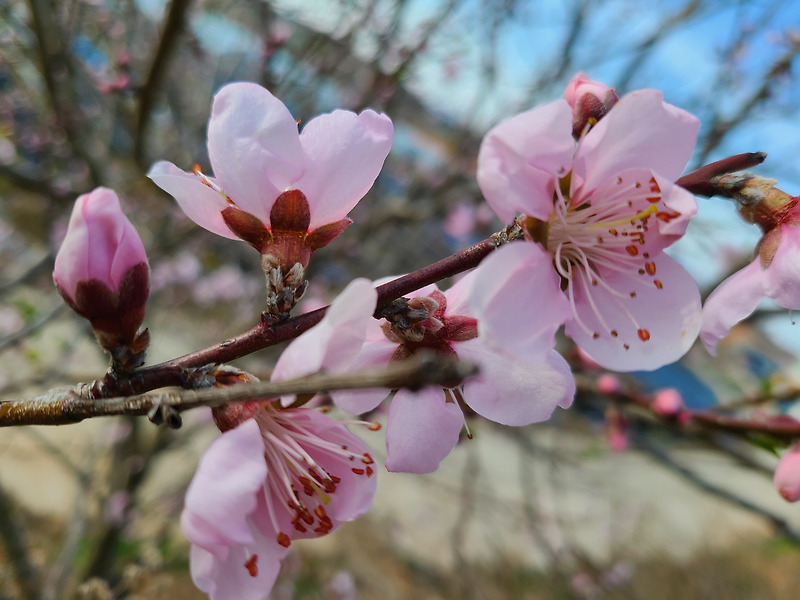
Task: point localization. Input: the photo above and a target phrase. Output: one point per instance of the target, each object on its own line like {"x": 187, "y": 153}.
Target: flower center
{"x": 592, "y": 241}
{"x": 297, "y": 481}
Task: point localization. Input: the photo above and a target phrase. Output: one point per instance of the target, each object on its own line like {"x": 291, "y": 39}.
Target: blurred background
{"x": 601, "y": 502}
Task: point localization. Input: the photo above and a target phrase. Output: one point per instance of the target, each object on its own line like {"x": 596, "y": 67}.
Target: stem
{"x": 702, "y": 181}
{"x": 264, "y": 335}
{"x": 68, "y": 405}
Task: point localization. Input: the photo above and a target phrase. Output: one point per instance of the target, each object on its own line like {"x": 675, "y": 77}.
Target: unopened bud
{"x": 101, "y": 270}
{"x": 759, "y": 201}
{"x": 590, "y": 101}
{"x": 668, "y": 402}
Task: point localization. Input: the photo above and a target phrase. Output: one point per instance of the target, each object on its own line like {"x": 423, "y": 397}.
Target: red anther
{"x": 335, "y": 479}
{"x": 284, "y": 540}
{"x": 632, "y": 250}
{"x": 633, "y": 294}
{"x": 641, "y": 271}
{"x": 654, "y": 185}
{"x": 320, "y": 512}
{"x": 357, "y": 471}
{"x": 658, "y": 284}
{"x": 307, "y": 518}
{"x": 367, "y": 460}
{"x": 595, "y": 335}
{"x": 613, "y": 232}
{"x": 252, "y": 565}
{"x": 594, "y": 281}
{"x": 375, "y": 426}
{"x": 197, "y": 170}
{"x": 315, "y": 475}
{"x": 653, "y": 199}
{"x": 650, "y": 268}
{"x": 300, "y": 527}
{"x": 369, "y": 471}
{"x": 644, "y": 335}
{"x": 614, "y": 333}
{"x": 626, "y": 346}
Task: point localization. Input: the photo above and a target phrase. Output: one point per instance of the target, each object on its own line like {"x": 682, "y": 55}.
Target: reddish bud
{"x": 101, "y": 270}
{"x": 590, "y": 101}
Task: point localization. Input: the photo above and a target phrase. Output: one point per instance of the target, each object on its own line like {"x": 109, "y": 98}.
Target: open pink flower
{"x": 283, "y": 192}
{"x": 597, "y": 215}
{"x": 775, "y": 273}
{"x": 280, "y": 475}
{"x": 424, "y": 426}
{"x": 101, "y": 269}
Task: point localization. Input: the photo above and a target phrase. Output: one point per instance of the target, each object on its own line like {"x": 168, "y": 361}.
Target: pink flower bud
{"x": 589, "y": 100}
{"x": 608, "y": 384}
{"x": 101, "y": 270}
{"x": 668, "y": 402}
{"x": 787, "y": 475}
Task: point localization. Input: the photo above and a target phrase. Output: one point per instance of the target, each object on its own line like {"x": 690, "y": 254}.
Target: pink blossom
{"x": 278, "y": 476}
{"x": 424, "y": 426}
{"x": 101, "y": 269}
{"x": 787, "y": 475}
{"x": 272, "y": 184}
{"x": 598, "y": 214}
{"x": 608, "y": 384}
{"x": 668, "y": 402}
{"x": 775, "y": 273}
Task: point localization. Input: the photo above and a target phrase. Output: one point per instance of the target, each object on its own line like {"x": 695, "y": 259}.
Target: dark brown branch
{"x": 702, "y": 181}
{"x": 158, "y": 68}
{"x": 71, "y": 405}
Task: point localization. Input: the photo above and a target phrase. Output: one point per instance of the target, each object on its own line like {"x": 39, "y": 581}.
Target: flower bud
{"x": 101, "y": 270}
{"x": 590, "y": 101}
{"x": 787, "y": 475}
{"x": 668, "y": 402}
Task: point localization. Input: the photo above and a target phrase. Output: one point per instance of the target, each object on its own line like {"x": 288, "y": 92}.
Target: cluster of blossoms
{"x": 588, "y": 180}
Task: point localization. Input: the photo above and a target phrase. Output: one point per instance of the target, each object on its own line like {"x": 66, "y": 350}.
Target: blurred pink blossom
{"x": 608, "y": 384}
{"x": 787, "y": 475}
{"x": 775, "y": 273}
{"x": 624, "y": 301}
{"x": 668, "y": 402}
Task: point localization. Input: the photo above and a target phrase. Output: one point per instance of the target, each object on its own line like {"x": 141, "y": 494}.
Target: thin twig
{"x": 70, "y": 405}
{"x": 158, "y": 68}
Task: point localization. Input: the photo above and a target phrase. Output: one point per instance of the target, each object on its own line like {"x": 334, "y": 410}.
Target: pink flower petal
{"x": 421, "y": 430}
{"x": 520, "y": 158}
{"x": 782, "y": 276}
{"x": 223, "y": 491}
{"x": 787, "y": 475}
{"x": 658, "y": 326}
{"x": 200, "y": 203}
{"x": 223, "y": 579}
{"x": 334, "y": 341}
{"x": 101, "y": 243}
{"x": 344, "y": 153}
{"x": 518, "y": 301}
{"x": 376, "y": 353}
{"x": 254, "y": 147}
{"x": 641, "y": 131}
{"x": 733, "y": 300}
{"x": 513, "y": 392}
